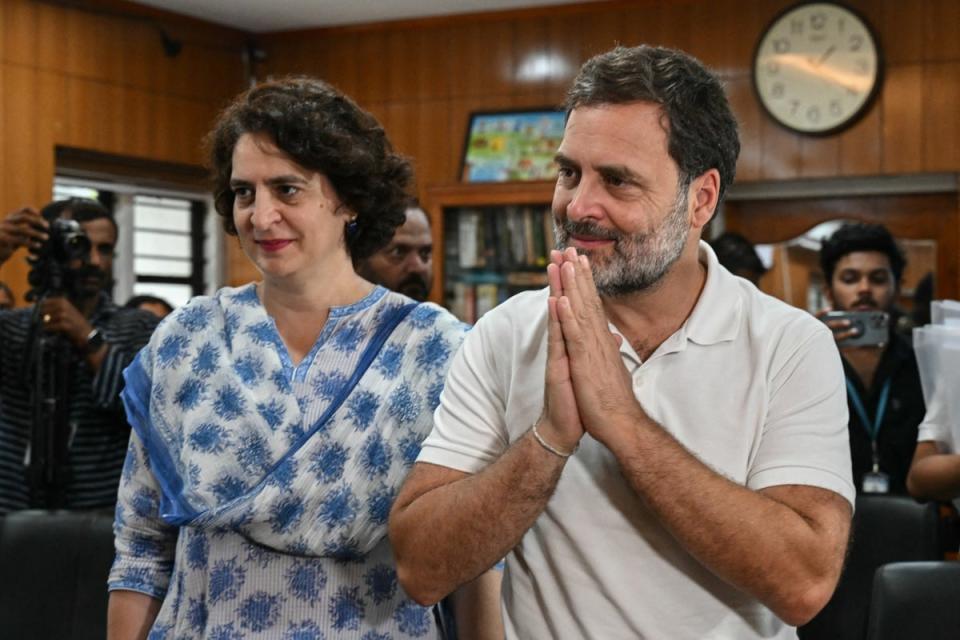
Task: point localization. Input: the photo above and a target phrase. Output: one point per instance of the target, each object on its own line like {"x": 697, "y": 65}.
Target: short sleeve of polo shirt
{"x": 805, "y": 438}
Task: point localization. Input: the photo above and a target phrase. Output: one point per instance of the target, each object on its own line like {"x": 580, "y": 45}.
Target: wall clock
{"x": 817, "y": 67}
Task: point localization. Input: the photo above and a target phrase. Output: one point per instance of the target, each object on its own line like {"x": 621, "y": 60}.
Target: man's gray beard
{"x": 638, "y": 262}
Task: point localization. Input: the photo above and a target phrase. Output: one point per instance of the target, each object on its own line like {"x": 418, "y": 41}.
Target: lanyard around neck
{"x": 873, "y": 428}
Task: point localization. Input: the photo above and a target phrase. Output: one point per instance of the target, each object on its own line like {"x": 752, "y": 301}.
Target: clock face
{"x": 816, "y": 67}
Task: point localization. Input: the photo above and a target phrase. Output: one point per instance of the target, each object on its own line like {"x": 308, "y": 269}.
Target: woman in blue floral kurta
{"x": 273, "y": 423}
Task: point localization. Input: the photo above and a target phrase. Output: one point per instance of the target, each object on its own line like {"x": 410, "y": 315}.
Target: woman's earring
{"x": 352, "y": 228}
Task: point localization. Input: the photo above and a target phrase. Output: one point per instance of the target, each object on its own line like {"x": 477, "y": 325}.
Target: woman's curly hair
{"x": 323, "y": 130}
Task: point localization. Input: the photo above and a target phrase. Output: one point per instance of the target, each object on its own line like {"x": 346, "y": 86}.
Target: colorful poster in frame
{"x": 512, "y": 146}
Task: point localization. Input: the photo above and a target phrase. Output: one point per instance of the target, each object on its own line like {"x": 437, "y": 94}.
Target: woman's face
{"x": 289, "y": 218}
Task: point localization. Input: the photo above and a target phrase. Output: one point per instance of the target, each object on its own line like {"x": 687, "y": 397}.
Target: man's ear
{"x": 828, "y": 294}
{"x": 704, "y": 195}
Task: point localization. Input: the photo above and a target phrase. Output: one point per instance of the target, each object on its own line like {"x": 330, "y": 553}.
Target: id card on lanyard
{"x": 874, "y": 481}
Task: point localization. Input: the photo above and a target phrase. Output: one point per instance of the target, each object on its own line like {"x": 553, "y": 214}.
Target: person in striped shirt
{"x": 100, "y": 340}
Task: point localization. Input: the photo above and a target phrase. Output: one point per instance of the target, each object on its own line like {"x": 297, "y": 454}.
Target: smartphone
{"x": 872, "y": 327}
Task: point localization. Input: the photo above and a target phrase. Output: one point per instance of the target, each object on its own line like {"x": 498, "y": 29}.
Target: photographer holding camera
{"x": 862, "y": 266}
{"x": 61, "y": 362}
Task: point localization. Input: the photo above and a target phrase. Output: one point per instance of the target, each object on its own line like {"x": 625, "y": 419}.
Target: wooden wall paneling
{"x": 819, "y": 156}
{"x": 564, "y": 52}
{"x": 140, "y": 66}
{"x": 20, "y": 28}
{"x": 941, "y": 123}
{"x": 19, "y": 135}
{"x": 903, "y": 119}
{"x": 404, "y": 119}
{"x": 435, "y": 60}
{"x": 435, "y": 160}
{"x": 3, "y": 125}
{"x": 942, "y": 30}
{"x": 50, "y": 118}
{"x": 340, "y": 68}
{"x": 901, "y": 34}
{"x": 188, "y": 122}
{"x": 747, "y": 111}
{"x": 861, "y": 146}
{"x": 94, "y": 111}
{"x": 671, "y": 24}
{"x": 20, "y": 159}
{"x": 52, "y": 41}
{"x": 141, "y": 110}
{"x": 531, "y": 50}
{"x": 601, "y": 32}
{"x": 371, "y": 81}
{"x": 404, "y": 73}
{"x": 780, "y": 151}
{"x": 90, "y": 47}
{"x": 718, "y": 37}
{"x": 482, "y": 60}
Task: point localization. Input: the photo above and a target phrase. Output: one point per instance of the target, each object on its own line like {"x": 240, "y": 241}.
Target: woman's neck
{"x": 300, "y": 306}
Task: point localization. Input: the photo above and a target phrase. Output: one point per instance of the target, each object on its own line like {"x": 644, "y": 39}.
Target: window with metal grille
{"x": 168, "y": 258}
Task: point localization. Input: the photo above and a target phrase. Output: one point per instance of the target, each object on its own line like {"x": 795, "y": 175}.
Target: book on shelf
{"x": 468, "y": 230}
{"x": 493, "y": 253}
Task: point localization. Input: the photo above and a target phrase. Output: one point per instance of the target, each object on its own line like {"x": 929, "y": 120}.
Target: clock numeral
{"x": 856, "y": 42}
{"x": 860, "y": 66}
{"x": 794, "y": 107}
{"x": 773, "y": 67}
{"x": 835, "y": 108}
{"x": 841, "y": 24}
{"x": 777, "y": 89}
{"x": 852, "y": 92}
{"x": 796, "y": 26}
{"x": 781, "y": 45}
{"x": 813, "y": 114}
{"x": 818, "y": 21}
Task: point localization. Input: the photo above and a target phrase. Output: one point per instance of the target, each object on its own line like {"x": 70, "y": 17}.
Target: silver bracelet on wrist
{"x": 549, "y": 447}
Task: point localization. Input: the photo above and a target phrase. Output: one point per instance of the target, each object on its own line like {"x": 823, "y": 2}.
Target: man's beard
{"x": 86, "y": 282}
{"x": 414, "y": 286}
{"x": 639, "y": 261}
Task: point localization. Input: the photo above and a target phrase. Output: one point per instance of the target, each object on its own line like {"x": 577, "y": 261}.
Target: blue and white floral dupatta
{"x": 213, "y": 399}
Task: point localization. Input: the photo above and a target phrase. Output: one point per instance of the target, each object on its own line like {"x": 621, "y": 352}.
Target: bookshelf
{"x": 492, "y": 241}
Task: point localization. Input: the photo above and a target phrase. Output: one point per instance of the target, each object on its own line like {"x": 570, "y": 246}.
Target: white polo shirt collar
{"x": 715, "y": 318}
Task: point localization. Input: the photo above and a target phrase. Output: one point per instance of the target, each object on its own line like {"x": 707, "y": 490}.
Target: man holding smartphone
{"x": 862, "y": 266}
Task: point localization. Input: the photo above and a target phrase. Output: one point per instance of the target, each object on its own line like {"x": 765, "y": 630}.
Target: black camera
{"x": 50, "y": 270}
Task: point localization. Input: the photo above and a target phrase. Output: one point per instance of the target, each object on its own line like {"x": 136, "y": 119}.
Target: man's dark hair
{"x": 735, "y": 253}
{"x": 860, "y": 236}
{"x": 136, "y": 301}
{"x": 80, "y": 209}
{"x": 322, "y": 130}
{"x": 701, "y": 129}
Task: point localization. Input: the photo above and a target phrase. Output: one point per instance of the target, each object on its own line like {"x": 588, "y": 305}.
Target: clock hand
{"x": 826, "y": 54}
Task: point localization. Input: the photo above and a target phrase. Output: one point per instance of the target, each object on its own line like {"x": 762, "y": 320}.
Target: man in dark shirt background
{"x": 99, "y": 341}
{"x": 862, "y": 267}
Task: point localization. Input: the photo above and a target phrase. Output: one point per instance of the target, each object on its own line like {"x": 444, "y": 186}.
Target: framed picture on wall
{"x": 507, "y": 146}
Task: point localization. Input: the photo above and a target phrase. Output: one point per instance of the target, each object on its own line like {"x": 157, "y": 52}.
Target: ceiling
{"x": 258, "y": 16}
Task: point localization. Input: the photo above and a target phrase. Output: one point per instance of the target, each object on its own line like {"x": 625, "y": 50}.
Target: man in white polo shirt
{"x": 659, "y": 449}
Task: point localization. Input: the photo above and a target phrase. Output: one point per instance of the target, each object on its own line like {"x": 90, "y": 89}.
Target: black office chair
{"x": 885, "y": 529}
{"x": 53, "y": 574}
{"x": 915, "y": 600}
